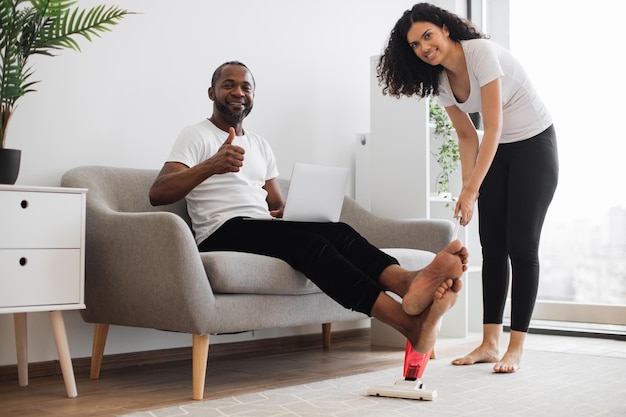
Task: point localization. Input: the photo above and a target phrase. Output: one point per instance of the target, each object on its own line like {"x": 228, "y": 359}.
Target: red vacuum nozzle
{"x": 414, "y": 363}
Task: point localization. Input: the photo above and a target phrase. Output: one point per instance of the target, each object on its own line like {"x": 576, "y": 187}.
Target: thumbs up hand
{"x": 229, "y": 157}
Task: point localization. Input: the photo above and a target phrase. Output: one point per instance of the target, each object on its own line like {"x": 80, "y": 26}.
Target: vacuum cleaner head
{"x": 411, "y": 390}
{"x": 411, "y": 387}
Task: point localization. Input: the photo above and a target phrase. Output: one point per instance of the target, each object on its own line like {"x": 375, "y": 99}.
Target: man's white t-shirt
{"x": 224, "y": 196}
{"x": 523, "y": 113}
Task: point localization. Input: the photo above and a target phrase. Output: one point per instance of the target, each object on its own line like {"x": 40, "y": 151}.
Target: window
{"x": 571, "y": 52}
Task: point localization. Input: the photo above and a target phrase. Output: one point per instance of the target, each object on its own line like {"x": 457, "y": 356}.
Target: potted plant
{"x": 30, "y": 27}
{"x": 447, "y": 155}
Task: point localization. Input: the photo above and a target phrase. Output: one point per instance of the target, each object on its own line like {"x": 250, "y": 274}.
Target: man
{"x": 228, "y": 177}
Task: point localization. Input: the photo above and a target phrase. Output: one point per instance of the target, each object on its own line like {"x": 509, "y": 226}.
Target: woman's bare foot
{"x": 450, "y": 263}
{"x": 427, "y": 330}
{"x": 482, "y": 354}
{"x": 509, "y": 363}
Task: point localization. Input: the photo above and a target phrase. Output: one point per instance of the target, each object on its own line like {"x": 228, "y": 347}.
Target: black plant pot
{"x": 9, "y": 165}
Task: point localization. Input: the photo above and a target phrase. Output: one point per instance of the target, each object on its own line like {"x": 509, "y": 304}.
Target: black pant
{"x": 513, "y": 202}
{"x": 333, "y": 255}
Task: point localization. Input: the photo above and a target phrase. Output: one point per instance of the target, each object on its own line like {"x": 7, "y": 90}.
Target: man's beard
{"x": 231, "y": 117}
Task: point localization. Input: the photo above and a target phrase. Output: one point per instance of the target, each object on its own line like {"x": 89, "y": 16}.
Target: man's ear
{"x": 211, "y": 94}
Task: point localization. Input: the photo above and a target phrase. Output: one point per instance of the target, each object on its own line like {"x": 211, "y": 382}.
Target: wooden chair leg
{"x": 199, "y": 359}
{"x": 100, "y": 332}
{"x": 432, "y": 354}
{"x": 326, "y": 327}
{"x": 21, "y": 347}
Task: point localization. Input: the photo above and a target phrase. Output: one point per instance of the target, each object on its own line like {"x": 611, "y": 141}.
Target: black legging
{"x": 333, "y": 255}
{"x": 513, "y": 201}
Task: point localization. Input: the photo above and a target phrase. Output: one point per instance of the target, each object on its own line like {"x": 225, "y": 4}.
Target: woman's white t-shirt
{"x": 523, "y": 112}
{"x": 224, "y": 196}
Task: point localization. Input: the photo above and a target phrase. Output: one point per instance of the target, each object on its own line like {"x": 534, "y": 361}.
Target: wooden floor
{"x": 234, "y": 369}
{"x": 252, "y": 368}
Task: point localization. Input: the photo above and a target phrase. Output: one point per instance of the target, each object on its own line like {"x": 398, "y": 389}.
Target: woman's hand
{"x": 465, "y": 205}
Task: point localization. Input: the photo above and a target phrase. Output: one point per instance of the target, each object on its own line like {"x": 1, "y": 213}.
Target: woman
{"x": 512, "y": 173}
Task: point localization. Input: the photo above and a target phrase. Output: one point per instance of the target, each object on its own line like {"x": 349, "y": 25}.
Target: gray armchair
{"x": 143, "y": 269}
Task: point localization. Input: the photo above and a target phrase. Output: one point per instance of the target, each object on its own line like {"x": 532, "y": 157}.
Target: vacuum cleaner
{"x": 411, "y": 387}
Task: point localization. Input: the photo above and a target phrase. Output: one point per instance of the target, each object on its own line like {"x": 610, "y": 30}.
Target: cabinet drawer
{"x": 40, "y": 220}
{"x": 32, "y": 277}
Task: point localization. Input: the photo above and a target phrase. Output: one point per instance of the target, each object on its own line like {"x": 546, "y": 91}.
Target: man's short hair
{"x": 218, "y": 71}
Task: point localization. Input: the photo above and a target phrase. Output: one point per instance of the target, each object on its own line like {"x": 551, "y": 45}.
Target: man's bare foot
{"x": 423, "y": 340}
{"x": 482, "y": 354}
{"x": 450, "y": 263}
{"x": 449, "y": 284}
{"x": 509, "y": 363}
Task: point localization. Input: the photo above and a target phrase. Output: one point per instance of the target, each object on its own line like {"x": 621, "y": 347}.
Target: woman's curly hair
{"x": 399, "y": 70}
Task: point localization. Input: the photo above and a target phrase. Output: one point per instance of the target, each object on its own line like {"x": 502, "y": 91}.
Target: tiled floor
{"x": 549, "y": 343}
{"x": 563, "y": 376}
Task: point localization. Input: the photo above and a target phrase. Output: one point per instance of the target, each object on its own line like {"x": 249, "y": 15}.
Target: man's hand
{"x": 277, "y": 214}
{"x": 229, "y": 157}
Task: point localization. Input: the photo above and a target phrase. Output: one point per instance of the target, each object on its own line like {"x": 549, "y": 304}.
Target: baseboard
{"x": 263, "y": 347}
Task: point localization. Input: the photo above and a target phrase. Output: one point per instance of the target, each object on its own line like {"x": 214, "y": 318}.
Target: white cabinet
{"x": 398, "y": 153}
{"x": 42, "y": 263}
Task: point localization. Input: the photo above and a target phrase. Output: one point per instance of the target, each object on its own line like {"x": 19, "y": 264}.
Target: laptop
{"x": 315, "y": 193}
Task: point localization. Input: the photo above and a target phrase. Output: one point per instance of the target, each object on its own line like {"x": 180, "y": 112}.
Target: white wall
{"x": 124, "y": 98}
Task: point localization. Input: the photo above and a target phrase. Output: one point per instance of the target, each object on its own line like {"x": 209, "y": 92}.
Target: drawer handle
{"x": 23, "y": 261}
{"x": 24, "y": 204}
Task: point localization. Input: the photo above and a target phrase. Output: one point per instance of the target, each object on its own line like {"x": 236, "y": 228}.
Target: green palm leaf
{"x": 29, "y": 27}
{"x": 59, "y": 32}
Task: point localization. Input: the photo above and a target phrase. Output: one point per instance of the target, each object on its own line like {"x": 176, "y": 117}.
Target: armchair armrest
{"x": 430, "y": 235}
{"x": 144, "y": 270}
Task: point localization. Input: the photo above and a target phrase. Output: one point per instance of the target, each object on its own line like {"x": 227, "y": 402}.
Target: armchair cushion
{"x": 411, "y": 259}
{"x": 248, "y": 273}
